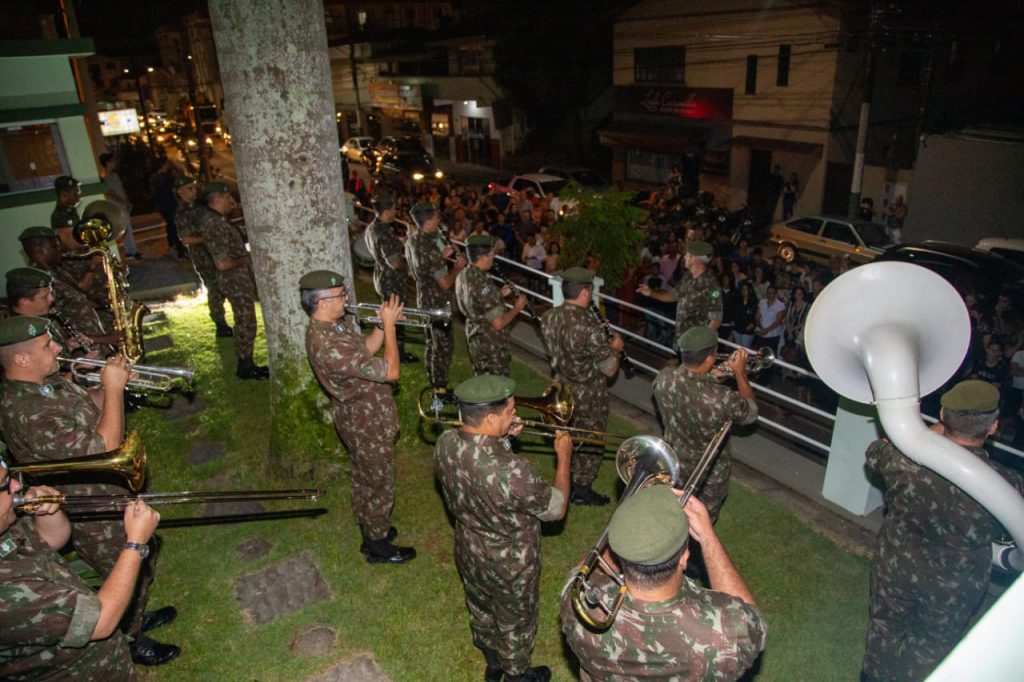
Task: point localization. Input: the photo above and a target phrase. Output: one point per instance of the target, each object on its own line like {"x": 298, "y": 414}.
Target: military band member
{"x": 669, "y": 627}
{"x": 584, "y": 358}
{"x": 385, "y": 239}
{"x": 53, "y": 625}
{"x": 186, "y": 220}
{"x": 693, "y": 405}
{"x": 698, "y": 295}
{"x": 65, "y": 213}
{"x": 498, "y": 502}
{"x": 365, "y": 415}
{"x": 46, "y": 418}
{"x": 234, "y": 273}
{"x": 482, "y": 302}
{"x": 933, "y": 561}
{"x": 434, "y": 282}
{"x": 29, "y": 293}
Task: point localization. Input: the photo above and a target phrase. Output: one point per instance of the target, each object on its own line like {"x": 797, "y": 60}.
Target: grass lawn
{"x": 412, "y": 617}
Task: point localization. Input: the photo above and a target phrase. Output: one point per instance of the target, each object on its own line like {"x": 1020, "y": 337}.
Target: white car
{"x": 1010, "y": 249}
{"x": 357, "y": 148}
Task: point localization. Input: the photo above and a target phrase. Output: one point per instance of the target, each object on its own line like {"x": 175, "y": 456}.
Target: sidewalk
{"x": 160, "y": 275}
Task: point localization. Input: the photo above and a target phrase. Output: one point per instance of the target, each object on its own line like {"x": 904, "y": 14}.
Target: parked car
{"x": 406, "y": 169}
{"x": 357, "y": 148}
{"x": 828, "y": 236}
{"x": 1011, "y": 249}
{"x": 583, "y": 176}
{"x": 391, "y": 146}
{"x": 970, "y": 270}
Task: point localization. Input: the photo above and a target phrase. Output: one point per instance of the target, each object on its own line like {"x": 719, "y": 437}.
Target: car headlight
{"x": 209, "y": 141}
{"x": 417, "y": 176}
{"x": 344, "y": 149}
{"x": 438, "y": 174}
{"x": 191, "y": 142}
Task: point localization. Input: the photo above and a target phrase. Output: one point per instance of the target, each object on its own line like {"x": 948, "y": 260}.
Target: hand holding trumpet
{"x": 116, "y": 374}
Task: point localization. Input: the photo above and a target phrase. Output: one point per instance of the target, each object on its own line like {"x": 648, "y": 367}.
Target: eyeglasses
{"x": 328, "y": 298}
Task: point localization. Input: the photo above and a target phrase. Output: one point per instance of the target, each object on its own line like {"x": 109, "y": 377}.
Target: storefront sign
{"x": 119, "y": 122}
{"x": 706, "y": 104}
{"x": 395, "y": 96}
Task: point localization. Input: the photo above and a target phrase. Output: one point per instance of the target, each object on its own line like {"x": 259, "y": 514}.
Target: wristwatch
{"x": 140, "y": 547}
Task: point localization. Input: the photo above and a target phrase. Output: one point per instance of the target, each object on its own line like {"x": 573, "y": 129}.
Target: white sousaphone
{"x": 888, "y": 333}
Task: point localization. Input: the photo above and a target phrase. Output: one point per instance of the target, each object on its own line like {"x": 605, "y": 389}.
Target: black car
{"x": 971, "y": 271}
{"x": 403, "y": 161}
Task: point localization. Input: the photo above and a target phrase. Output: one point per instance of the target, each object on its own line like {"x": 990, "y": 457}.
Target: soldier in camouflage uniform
{"x": 46, "y": 419}
{"x": 481, "y": 301}
{"x": 669, "y": 628}
{"x": 698, "y": 295}
{"x": 52, "y": 625}
{"x": 386, "y": 241}
{"x": 234, "y": 273}
{"x": 365, "y": 415}
{"x": 186, "y": 220}
{"x": 29, "y": 293}
{"x": 694, "y": 405}
{"x": 584, "y": 358}
{"x": 933, "y": 561}
{"x": 434, "y": 283}
{"x": 65, "y": 213}
{"x": 498, "y": 502}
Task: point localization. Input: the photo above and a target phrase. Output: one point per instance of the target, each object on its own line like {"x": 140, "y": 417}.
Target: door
{"x": 759, "y": 183}
{"x": 838, "y": 177}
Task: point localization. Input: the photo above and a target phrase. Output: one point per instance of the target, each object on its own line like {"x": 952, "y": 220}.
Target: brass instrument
{"x": 129, "y": 461}
{"x": 414, "y": 317}
{"x": 95, "y": 503}
{"x": 640, "y": 461}
{"x": 146, "y": 377}
{"x": 756, "y": 362}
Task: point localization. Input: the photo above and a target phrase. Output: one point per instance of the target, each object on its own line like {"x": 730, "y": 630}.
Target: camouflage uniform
{"x": 931, "y": 568}
{"x": 186, "y": 220}
{"x": 699, "y": 634}
{"x": 699, "y": 301}
{"x": 73, "y": 302}
{"x": 578, "y": 345}
{"x": 56, "y": 420}
{"x": 48, "y": 617}
{"x": 480, "y": 300}
{"x": 693, "y": 407}
{"x": 365, "y": 417}
{"x": 388, "y": 260}
{"x": 224, "y": 242}
{"x": 64, "y": 218}
{"x": 427, "y": 266}
{"x": 498, "y": 502}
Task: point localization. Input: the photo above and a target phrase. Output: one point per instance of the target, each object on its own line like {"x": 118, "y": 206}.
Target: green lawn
{"x": 412, "y": 617}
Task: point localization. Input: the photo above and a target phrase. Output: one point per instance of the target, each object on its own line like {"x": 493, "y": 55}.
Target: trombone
{"x": 413, "y": 317}
{"x": 145, "y": 377}
{"x": 756, "y": 362}
{"x": 117, "y": 502}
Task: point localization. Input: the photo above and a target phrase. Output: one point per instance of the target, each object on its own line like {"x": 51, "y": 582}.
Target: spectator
{"x": 534, "y": 253}
{"x": 796, "y": 316}
{"x": 551, "y": 261}
{"x": 730, "y": 301}
{"x": 895, "y": 213}
{"x": 745, "y": 321}
{"x": 161, "y": 186}
{"x": 115, "y": 194}
{"x": 771, "y": 321}
{"x": 789, "y": 196}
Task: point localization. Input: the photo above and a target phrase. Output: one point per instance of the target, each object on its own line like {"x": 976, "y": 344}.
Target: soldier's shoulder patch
{"x": 716, "y": 293}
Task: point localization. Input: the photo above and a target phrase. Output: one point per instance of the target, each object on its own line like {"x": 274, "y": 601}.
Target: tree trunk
{"x": 277, "y": 89}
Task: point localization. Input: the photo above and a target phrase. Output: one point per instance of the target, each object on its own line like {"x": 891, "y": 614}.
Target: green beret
{"x": 480, "y": 240}
{"x": 697, "y": 338}
{"x": 577, "y": 274}
{"x": 699, "y": 248}
{"x": 485, "y": 389}
{"x": 649, "y": 527}
{"x": 971, "y": 396}
{"x": 382, "y": 201}
{"x": 21, "y": 328}
{"x": 423, "y": 211}
{"x": 216, "y": 187}
{"x": 321, "y": 279}
{"x": 38, "y": 231}
{"x": 184, "y": 180}
{"x": 29, "y": 278}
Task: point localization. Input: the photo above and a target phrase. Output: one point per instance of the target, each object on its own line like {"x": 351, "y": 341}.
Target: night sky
{"x": 125, "y": 27}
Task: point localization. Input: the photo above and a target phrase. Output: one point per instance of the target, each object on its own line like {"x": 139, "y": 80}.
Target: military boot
{"x": 146, "y": 651}
{"x": 493, "y": 673}
{"x": 540, "y": 673}
{"x": 392, "y": 534}
{"x": 223, "y": 330}
{"x": 247, "y": 369}
{"x": 584, "y": 495}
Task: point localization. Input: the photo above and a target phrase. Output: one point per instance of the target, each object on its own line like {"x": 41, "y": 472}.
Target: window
{"x": 840, "y": 233}
{"x": 31, "y": 157}
{"x": 646, "y": 166}
{"x": 808, "y": 225}
{"x": 782, "y": 78}
{"x": 909, "y": 68}
{"x": 751, "y": 86}
{"x": 660, "y": 64}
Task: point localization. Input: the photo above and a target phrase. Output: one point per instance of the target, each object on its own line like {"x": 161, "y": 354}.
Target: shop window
{"x": 751, "y": 85}
{"x": 782, "y": 78}
{"x": 645, "y": 166}
{"x": 31, "y": 157}
{"x": 660, "y": 64}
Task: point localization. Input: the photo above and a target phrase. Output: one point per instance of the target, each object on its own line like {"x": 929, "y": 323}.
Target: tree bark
{"x": 277, "y": 89}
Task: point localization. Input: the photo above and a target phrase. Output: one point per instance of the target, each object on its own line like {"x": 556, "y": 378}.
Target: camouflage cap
{"x": 36, "y": 232}
{"x": 699, "y": 248}
{"x": 65, "y": 182}
{"x": 577, "y": 274}
{"x": 697, "y": 338}
{"x": 485, "y": 389}
{"x": 21, "y": 328}
{"x": 485, "y": 240}
{"x": 423, "y": 211}
{"x": 972, "y": 395}
{"x": 29, "y": 278}
{"x": 183, "y": 181}
{"x": 321, "y": 279}
{"x": 649, "y": 527}
{"x": 216, "y": 187}
{"x": 382, "y": 201}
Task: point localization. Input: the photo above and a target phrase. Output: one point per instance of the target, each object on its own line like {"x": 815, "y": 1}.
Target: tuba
{"x": 129, "y": 461}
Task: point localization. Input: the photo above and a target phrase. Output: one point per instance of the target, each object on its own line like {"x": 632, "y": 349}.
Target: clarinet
{"x": 71, "y": 329}
{"x": 499, "y": 275}
{"x": 624, "y": 362}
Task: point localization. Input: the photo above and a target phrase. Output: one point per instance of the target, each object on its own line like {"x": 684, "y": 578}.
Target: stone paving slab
{"x": 362, "y": 668}
{"x": 281, "y": 588}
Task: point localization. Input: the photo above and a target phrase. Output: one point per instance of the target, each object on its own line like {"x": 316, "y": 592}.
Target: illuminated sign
{"x": 395, "y": 96}
{"x": 707, "y": 104}
{"x": 119, "y": 122}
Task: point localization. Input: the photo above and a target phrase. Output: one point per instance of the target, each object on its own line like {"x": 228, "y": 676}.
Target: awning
{"x": 657, "y": 138}
{"x": 777, "y": 145}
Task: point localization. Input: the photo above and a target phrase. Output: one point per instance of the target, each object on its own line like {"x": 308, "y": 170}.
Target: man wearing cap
{"x": 693, "y": 405}
{"x": 698, "y": 295}
{"x": 53, "y": 625}
{"x": 29, "y": 293}
{"x": 434, "y": 283}
{"x": 498, "y": 502}
{"x": 45, "y": 418}
{"x": 65, "y": 212}
{"x": 584, "y": 358}
{"x": 482, "y": 302}
{"x": 234, "y": 273}
{"x": 187, "y": 219}
{"x": 668, "y": 627}
{"x": 388, "y": 250}
{"x": 933, "y": 560}
{"x": 365, "y": 415}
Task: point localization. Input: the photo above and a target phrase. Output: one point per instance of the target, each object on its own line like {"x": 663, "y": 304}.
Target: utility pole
{"x": 856, "y": 184}
{"x": 355, "y": 69}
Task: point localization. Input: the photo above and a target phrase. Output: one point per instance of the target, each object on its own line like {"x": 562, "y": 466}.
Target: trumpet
{"x": 756, "y": 362}
{"x": 414, "y": 317}
{"x": 146, "y": 377}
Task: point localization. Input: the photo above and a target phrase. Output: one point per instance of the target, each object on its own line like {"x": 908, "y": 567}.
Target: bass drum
{"x": 361, "y": 252}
